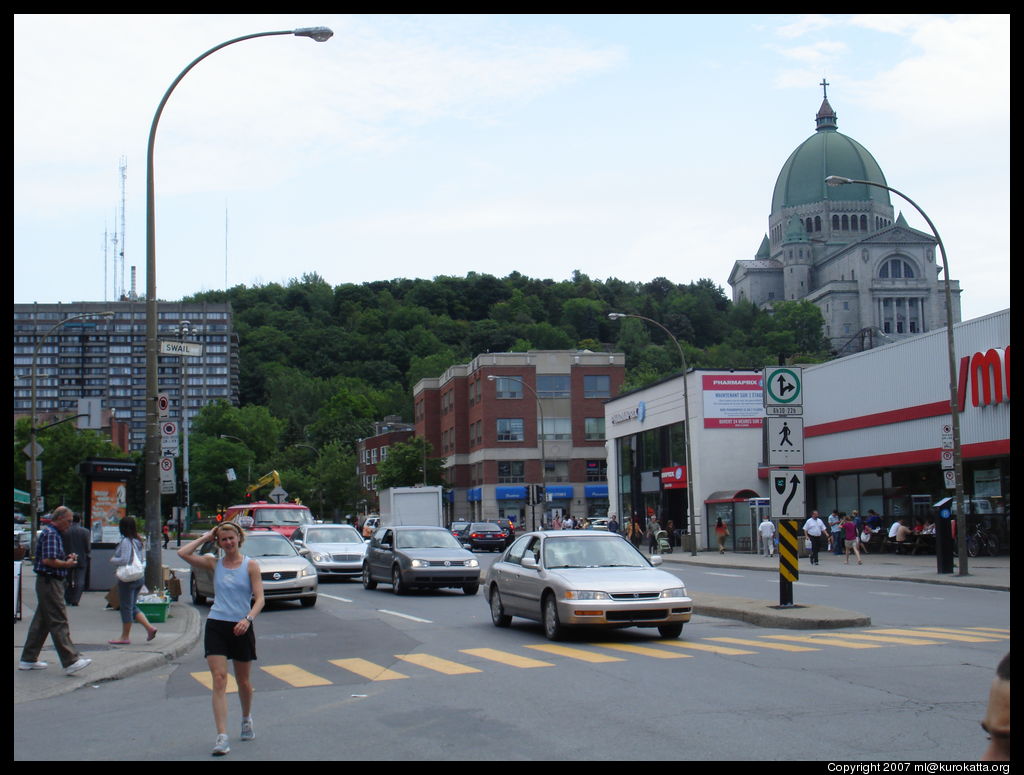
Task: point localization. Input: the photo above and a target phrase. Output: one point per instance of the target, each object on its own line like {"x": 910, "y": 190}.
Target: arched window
{"x": 846, "y": 223}
{"x": 835, "y": 222}
{"x": 863, "y": 223}
{"x": 810, "y": 225}
{"x": 817, "y": 223}
{"x": 896, "y": 269}
{"x": 853, "y": 223}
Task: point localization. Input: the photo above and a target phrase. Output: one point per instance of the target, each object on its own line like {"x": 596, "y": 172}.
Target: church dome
{"x": 827, "y": 152}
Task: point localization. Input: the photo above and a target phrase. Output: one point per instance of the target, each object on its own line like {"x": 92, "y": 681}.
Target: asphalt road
{"x": 368, "y": 675}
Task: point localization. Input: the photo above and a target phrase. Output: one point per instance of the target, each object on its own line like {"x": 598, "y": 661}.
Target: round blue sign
{"x": 945, "y": 513}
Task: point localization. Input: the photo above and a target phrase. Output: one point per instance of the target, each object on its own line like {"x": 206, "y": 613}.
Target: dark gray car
{"x": 410, "y": 556}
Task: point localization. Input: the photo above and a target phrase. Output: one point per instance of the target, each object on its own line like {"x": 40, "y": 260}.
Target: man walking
{"x": 51, "y": 618}
{"x": 814, "y": 529}
{"x": 835, "y": 523}
{"x": 77, "y": 541}
{"x": 767, "y": 532}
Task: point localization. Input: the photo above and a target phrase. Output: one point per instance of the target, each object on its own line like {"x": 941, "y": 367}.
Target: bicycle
{"x": 982, "y": 540}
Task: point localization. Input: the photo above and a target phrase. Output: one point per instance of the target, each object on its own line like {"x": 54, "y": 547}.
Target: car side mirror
{"x": 530, "y": 562}
{"x": 656, "y": 560}
{"x": 305, "y": 552}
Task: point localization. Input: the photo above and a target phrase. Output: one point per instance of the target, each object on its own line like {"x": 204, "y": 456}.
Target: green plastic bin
{"x": 155, "y": 612}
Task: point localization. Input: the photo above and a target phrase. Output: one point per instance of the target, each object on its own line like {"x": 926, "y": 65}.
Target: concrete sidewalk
{"x": 92, "y": 625}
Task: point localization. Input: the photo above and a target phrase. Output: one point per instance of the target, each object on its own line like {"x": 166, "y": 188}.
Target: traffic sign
{"x": 949, "y": 478}
{"x": 191, "y": 349}
{"x": 169, "y": 428}
{"x": 784, "y": 441}
{"x": 166, "y": 469}
{"x": 163, "y": 406}
{"x": 278, "y": 494}
{"x": 947, "y": 458}
{"x": 783, "y": 386}
{"x": 786, "y": 486}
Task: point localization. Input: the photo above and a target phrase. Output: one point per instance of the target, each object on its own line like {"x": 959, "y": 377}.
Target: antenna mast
{"x": 124, "y": 177}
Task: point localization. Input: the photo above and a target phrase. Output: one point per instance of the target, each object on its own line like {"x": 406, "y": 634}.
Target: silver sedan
{"x": 565, "y": 578}
{"x": 336, "y": 551}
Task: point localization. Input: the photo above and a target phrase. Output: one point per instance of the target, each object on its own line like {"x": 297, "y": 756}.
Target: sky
{"x": 625, "y": 146}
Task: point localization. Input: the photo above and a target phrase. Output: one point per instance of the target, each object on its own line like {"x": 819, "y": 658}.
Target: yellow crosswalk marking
{"x": 206, "y": 680}
{"x": 686, "y": 644}
{"x": 891, "y": 639}
{"x": 991, "y": 629}
{"x": 367, "y": 669}
{"x": 936, "y": 635}
{"x": 565, "y": 651}
{"x": 437, "y": 664}
{"x": 763, "y": 645}
{"x": 825, "y": 639}
{"x": 295, "y": 675}
{"x": 505, "y": 658}
{"x": 949, "y": 631}
{"x": 643, "y": 650}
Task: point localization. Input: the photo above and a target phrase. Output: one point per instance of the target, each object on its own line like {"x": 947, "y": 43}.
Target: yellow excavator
{"x": 272, "y": 478}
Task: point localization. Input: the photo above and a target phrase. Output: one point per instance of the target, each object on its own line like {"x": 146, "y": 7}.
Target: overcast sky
{"x": 415, "y": 146}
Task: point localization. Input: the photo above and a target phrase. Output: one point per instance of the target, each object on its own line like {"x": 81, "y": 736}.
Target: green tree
{"x": 404, "y": 465}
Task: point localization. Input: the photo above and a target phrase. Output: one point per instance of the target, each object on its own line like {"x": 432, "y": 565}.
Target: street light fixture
{"x": 541, "y": 439}
{"x": 954, "y": 406}
{"x": 152, "y": 451}
{"x": 686, "y": 424}
{"x": 33, "y": 475}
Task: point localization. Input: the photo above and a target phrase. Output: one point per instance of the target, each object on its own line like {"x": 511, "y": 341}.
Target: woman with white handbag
{"x": 130, "y": 559}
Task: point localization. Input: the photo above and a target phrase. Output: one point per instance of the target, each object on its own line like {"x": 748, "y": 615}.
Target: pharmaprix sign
{"x": 989, "y": 375}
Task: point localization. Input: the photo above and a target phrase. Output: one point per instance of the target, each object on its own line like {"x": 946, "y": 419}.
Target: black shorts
{"x": 220, "y": 640}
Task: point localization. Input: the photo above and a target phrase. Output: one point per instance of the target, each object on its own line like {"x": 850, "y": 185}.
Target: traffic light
{"x": 536, "y": 494}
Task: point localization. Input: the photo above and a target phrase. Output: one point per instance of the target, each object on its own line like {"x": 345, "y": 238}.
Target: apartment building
{"x": 374, "y": 449}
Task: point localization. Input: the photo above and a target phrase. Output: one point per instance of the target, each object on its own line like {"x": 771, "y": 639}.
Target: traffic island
{"x": 765, "y": 614}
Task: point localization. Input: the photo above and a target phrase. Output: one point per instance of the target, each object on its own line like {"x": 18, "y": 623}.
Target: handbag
{"x": 133, "y": 571}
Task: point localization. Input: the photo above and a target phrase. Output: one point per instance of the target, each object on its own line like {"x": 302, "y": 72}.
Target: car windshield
{"x": 485, "y": 527}
{"x": 267, "y": 545}
{"x": 342, "y": 534}
{"x": 579, "y": 552}
{"x": 298, "y": 516}
{"x": 425, "y": 539}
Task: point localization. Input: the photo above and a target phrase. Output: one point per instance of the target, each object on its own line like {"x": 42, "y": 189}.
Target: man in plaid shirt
{"x": 51, "y": 567}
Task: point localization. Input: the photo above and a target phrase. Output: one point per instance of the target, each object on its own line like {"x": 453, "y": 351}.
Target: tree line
{"x": 320, "y": 364}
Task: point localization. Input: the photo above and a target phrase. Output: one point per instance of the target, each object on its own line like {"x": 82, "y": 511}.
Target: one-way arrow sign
{"x": 787, "y": 493}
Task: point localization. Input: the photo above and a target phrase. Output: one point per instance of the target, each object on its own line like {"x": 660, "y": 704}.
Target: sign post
{"x": 789, "y": 562}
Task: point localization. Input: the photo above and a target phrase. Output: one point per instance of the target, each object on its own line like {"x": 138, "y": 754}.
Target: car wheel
{"x": 671, "y": 630}
{"x": 552, "y": 627}
{"x": 397, "y": 585}
{"x": 471, "y": 589}
{"x": 368, "y": 582}
{"x": 194, "y": 589}
{"x": 498, "y": 615}
{"x": 308, "y": 602}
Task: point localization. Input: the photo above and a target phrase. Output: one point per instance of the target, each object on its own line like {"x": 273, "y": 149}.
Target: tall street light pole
{"x": 686, "y": 424}
{"x": 954, "y": 406}
{"x": 540, "y": 439}
{"x": 152, "y": 470}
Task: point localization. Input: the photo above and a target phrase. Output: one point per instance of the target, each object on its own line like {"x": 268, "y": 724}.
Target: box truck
{"x": 411, "y": 506}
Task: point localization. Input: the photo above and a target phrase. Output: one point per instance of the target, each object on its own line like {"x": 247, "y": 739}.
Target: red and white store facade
{"x": 873, "y": 435}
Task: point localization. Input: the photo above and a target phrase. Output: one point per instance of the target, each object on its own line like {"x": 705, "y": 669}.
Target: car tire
{"x": 308, "y": 602}
{"x": 553, "y": 629}
{"x": 194, "y": 589}
{"x": 397, "y": 584}
{"x": 498, "y": 615}
{"x": 671, "y": 630}
{"x": 471, "y": 589}
{"x": 368, "y": 582}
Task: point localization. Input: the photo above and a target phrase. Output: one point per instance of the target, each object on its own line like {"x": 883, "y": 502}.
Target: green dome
{"x": 827, "y": 152}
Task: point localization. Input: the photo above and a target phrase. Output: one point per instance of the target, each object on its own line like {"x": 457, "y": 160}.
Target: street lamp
{"x": 686, "y": 424}
{"x": 954, "y": 407}
{"x": 542, "y": 439}
{"x": 152, "y": 452}
{"x": 33, "y": 475}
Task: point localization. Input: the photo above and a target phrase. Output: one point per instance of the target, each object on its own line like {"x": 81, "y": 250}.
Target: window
{"x": 510, "y": 429}
{"x": 553, "y": 386}
{"x": 555, "y": 428}
{"x": 597, "y": 470}
{"x": 509, "y": 387}
{"x": 593, "y": 428}
{"x": 511, "y": 471}
{"x": 597, "y": 386}
{"x": 895, "y": 269}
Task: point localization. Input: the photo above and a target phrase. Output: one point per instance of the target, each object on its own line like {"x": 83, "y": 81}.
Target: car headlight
{"x": 420, "y": 564}
{"x": 585, "y": 594}
{"x": 317, "y": 557}
{"x": 674, "y": 592}
{"x": 307, "y": 572}
{"x": 472, "y": 563}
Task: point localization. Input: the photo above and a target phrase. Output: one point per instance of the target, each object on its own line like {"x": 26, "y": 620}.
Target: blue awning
{"x": 473, "y": 494}
{"x": 595, "y": 490}
{"x": 558, "y": 492}
{"x": 510, "y": 493}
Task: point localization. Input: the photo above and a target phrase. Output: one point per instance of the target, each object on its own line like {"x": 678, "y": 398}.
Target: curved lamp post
{"x": 152, "y": 471}
{"x": 541, "y": 440}
{"x": 686, "y": 424}
{"x": 954, "y": 410}
{"x": 33, "y": 478}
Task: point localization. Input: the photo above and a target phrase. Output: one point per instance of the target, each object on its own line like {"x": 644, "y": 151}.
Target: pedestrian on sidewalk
{"x": 722, "y": 532}
{"x": 77, "y": 541}
{"x": 229, "y": 626}
{"x": 851, "y": 539}
{"x": 815, "y": 529}
{"x": 653, "y": 528}
{"x": 51, "y": 567}
{"x": 835, "y": 526}
{"x": 767, "y": 532}
{"x": 128, "y": 591}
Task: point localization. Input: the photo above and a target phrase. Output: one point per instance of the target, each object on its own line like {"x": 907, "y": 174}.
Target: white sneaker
{"x": 248, "y": 733}
{"x": 221, "y": 747}
{"x": 76, "y": 666}
{"x": 23, "y": 665}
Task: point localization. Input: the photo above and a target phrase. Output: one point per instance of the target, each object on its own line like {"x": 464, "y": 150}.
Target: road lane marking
{"x": 206, "y": 680}
{"x": 571, "y": 653}
{"x": 826, "y": 639}
{"x": 642, "y": 650}
{"x": 686, "y": 644}
{"x": 729, "y": 575}
{"x": 505, "y": 658}
{"x": 410, "y": 617}
{"x": 294, "y": 675}
{"x": 367, "y": 669}
{"x": 437, "y": 664}
{"x": 937, "y": 635}
{"x": 335, "y": 597}
{"x": 762, "y": 644}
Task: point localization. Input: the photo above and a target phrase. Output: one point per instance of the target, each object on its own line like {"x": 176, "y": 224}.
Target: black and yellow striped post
{"x": 789, "y": 560}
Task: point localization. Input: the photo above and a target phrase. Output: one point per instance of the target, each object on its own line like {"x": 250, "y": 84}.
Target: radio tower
{"x": 124, "y": 177}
